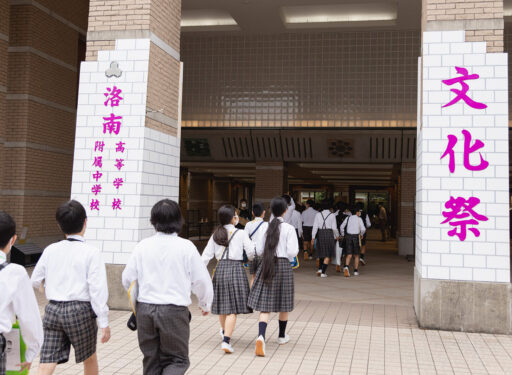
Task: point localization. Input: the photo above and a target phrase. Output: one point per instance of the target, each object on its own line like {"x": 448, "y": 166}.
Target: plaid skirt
{"x": 230, "y": 289}
{"x": 326, "y": 244}
{"x": 277, "y": 296}
{"x": 307, "y": 233}
{"x": 254, "y": 265}
{"x": 66, "y": 324}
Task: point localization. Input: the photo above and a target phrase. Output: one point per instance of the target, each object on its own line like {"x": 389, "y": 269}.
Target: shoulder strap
{"x": 325, "y": 218}
{"x": 254, "y": 231}
{"x": 227, "y": 247}
{"x": 3, "y": 265}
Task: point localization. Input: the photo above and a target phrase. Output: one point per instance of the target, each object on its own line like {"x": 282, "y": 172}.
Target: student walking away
{"x": 230, "y": 285}
{"x": 341, "y": 209}
{"x": 352, "y": 229}
{"x": 17, "y": 299}
{"x": 167, "y": 269}
{"x": 308, "y": 219}
{"x": 383, "y": 221}
{"x": 325, "y": 226}
{"x": 296, "y": 222}
{"x": 75, "y": 283}
{"x": 273, "y": 289}
{"x": 367, "y": 224}
{"x": 256, "y": 230}
{"x": 244, "y": 214}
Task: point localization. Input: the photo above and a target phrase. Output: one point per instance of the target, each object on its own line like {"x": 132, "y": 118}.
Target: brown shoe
{"x": 346, "y": 272}
{"x": 338, "y": 269}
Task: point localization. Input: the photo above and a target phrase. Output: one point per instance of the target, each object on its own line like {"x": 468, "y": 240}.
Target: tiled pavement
{"x": 363, "y": 325}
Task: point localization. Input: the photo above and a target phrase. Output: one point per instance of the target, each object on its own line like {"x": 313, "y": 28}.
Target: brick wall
{"x": 4, "y": 35}
{"x": 165, "y": 20}
{"x": 42, "y": 95}
{"x": 270, "y": 181}
{"x": 482, "y": 19}
{"x": 118, "y": 15}
{"x": 482, "y": 255}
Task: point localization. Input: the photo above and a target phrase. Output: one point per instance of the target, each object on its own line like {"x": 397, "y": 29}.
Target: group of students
{"x": 335, "y": 234}
{"x": 167, "y": 269}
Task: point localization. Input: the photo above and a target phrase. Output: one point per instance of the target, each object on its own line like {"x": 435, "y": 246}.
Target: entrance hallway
{"x": 387, "y": 279}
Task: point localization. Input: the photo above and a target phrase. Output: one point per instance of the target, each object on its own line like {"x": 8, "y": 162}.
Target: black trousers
{"x": 163, "y": 332}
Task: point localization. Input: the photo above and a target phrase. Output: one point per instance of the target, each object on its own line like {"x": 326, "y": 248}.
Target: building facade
{"x": 121, "y": 103}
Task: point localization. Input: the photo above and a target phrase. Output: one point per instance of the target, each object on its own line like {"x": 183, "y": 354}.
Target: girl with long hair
{"x": 273, "y": 288}
{"x": 230, "y": 285}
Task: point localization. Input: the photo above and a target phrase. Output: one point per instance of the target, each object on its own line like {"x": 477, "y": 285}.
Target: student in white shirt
{"x": 256, "y": 230}
{"x": 308, "y": 219}
{"x": 367, "y": 223}
{"x": 167, "y": 269}
{"x": 75, "y": 283}
{"x": 230, "y": 285}
{"x": 17, "y": 299}
{"x": 325, "y": 226}
{"x": 273, "y": 289}
{"x": 352, "y": 229}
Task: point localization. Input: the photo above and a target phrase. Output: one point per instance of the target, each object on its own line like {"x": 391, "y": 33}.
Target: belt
{"x": 3, "y": 343}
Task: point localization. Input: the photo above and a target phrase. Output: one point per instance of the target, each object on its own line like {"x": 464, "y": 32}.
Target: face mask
{"x": 244, "y": 205}
{"x": 237, "y": 220}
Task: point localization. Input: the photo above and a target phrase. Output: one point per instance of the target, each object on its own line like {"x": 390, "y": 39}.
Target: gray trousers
{"x": 163, "y": 332}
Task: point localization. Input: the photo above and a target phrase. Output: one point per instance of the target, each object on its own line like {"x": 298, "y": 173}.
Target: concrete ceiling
{"x": 263, "y": 16}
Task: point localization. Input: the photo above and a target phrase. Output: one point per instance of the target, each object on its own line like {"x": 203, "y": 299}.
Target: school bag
{"x": 246, "y": 259}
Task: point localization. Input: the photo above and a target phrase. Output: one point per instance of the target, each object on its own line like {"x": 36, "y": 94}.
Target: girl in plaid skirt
{"x": 273, "y": 289}
{"x": 230, "y": 284}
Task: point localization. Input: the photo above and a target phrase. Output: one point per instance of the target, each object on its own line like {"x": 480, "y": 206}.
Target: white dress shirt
{"x": 330, "y": 223}
{"x": 74, "y": 271}
{"x": 367, "y": 221}
{"x": 354, "y": 225}
{"x": 308, "y": 216}
{"x": 259, "y": 237}
{"x": 238, "y": 244}
{"x": 18, "y": 299}
{"x": 288, "y": 245}
{"x": 297, "y": 221}
{"x": 167, "y": 269}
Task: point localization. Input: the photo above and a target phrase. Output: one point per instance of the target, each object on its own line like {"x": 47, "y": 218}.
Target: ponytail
{"x": 225, "y": 215}
{"x": 278, "y": 207}
{"x": 269, "y": 252}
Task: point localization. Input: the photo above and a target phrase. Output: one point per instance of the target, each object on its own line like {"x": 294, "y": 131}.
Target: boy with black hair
{"x": 17, "y": 299}
{"x": 75, "y": 282}
{"x": 352, "y": 230}
{"x": 256, "y": 230}
{"x": 167, "y": 269}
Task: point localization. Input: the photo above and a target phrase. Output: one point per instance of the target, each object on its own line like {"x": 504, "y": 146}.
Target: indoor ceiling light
{"x": 339, "y": 15}
{"x": 207, "y": 19}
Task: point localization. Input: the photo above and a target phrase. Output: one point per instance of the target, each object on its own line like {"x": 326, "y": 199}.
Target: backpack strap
{"x": 254, "y": 231}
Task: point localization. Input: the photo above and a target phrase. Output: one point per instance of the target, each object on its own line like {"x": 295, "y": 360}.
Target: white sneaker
{"x": 356, "y": 273}
{"x": 283, "y": 340}
{"x": 228, "y": 349}
{"x": 260, "y": 347}
{"x": 323, "y": 275}
{"x": 221, "y": 331}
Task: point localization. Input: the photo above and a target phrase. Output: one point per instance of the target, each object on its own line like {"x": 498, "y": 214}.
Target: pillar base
{"x": 405, "y": 246}
{"x": 117, "y": 296}
{"x": 467, "y": 306}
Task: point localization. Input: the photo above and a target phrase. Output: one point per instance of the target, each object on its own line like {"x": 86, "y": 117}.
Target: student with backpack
{"x": 326, "y": 233}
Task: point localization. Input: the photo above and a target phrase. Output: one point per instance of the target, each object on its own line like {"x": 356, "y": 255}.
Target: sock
{"x": 321, "y": 260}
{"x": 362, "y": 256}
{"x": 324, "y": 267}
{"x": 262, "y": 329}
{"x": 227, "y": 339}
{"x": 282, "y": 327}
{"x": 356, "y": 270}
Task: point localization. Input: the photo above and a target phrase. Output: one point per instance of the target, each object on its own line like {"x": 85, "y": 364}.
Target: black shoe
{"x": 363, "y": 261}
